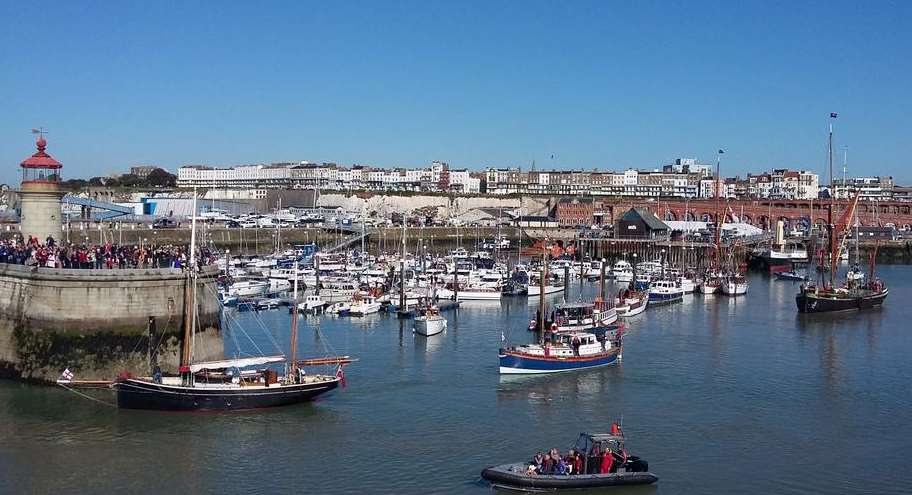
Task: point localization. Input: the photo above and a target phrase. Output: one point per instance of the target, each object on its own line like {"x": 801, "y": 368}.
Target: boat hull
{"x": 513, "y": 476}
{"x": 141, "y": 394}
{"x": 811, "y": 303}
{"x": 665, "y": 297}
{"x": 428, "y": 327}
{"x": 478, "y": 295}
{"x": 515, "y": 363}
{"x": 734, "y": 288}
{"x": 634, "y": 310}
{"x": 535, "y": 290}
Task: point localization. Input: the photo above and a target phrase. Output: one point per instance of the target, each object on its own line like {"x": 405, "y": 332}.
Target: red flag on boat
{"x": 340, "y": 375}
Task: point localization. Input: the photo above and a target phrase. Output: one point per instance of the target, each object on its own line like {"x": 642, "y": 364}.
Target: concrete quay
{"x": 96, "y": 322}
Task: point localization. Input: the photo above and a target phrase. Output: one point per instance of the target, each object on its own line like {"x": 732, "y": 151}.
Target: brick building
{"x": 575, "y": 211}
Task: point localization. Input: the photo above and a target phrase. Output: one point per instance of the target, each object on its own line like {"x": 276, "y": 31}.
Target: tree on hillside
{"x": 130, "y": 180}
{"x": 161, "y": 177}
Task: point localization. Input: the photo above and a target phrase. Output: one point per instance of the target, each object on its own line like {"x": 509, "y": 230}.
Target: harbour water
{"x": 720, "y": 395}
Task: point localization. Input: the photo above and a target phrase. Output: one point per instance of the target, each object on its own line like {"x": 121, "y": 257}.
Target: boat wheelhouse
{"x": 581, "y": 316}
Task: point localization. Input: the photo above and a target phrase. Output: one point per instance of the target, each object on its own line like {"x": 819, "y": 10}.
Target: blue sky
{"x": 603, "y": 84}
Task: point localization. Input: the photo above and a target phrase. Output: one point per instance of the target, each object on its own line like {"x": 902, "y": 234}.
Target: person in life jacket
{"x": 607, "y": 462}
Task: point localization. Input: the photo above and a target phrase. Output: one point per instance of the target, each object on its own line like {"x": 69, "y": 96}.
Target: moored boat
{"x": 430, "y": 323}
{"x": 230, "y": 384}
{"x": 710, "y": 285}
{"x": 631, "y": 303}
{"x": 664, "y": 292}
{"x": 812, "y": 299}
{"x": 791, "y": 275}
{"x": 735, "y": 285}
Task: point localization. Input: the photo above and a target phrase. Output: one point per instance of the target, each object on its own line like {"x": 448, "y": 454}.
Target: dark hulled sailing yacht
{"x": 231, "y": 384}
{"x": 856, "y": 293}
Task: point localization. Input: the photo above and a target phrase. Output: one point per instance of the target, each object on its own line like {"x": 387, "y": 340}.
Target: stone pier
{"x": 96, "y": 322}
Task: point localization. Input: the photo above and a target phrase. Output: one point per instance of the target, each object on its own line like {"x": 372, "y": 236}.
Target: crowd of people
{"x": 51, "y": 254}
{"x": 575, "y": 462}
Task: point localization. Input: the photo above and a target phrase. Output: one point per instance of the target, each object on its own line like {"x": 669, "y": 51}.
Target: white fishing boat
{"x": 339, "y": 308}
{"x": 623, "y": 272}
{"x": 631, "y": 303}
{"x": 364, "y": 305}
{"x": 430, "y": 323}
{"x": 312, "y": 304}
{"x": 687, "y": 284}
{"x": 710, "y": 285}
{"x": 735, "y": 285}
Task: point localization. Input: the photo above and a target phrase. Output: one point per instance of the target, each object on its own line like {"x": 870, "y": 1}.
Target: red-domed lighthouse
{"x": 40, "y": 194}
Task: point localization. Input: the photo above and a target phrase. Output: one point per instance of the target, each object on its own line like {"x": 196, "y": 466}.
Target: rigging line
{"x": 86, "y": 396}
{"x": 240, "y": 328}
{"x": 237, "y": 325}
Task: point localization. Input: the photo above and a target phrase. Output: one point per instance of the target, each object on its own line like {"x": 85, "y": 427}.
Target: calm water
{"x": 720, "y": 395}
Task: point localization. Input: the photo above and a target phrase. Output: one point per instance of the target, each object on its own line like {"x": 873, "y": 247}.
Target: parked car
{"x": 232, "y": 224}
{"x": 164, "y": 223}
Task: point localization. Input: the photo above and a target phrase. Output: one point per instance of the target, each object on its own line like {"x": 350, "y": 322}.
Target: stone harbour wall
{"x": 96, "y": 322}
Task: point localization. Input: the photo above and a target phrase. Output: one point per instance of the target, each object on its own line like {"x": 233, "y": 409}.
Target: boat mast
{"x": 831, "y": 227}
{"x": 541, "y": 293}
{"x": 294, "y": 326}
{"x": 402, "y": 270}
{"x": 717, "y": 255}
{"x": 190, "y": 297}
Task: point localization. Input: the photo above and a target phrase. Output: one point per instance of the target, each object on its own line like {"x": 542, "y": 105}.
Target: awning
{"x": 235, "y": 363}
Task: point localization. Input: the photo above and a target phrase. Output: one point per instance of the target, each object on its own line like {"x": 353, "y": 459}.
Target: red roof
{"x": 41, "y": 159}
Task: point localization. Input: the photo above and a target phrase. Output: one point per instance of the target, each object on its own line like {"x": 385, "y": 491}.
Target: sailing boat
{"x": 560, "y": 351}
{"x": 855, "y": 293}
{"x": 712, "y": 280}
{"x": 227, "y": 384}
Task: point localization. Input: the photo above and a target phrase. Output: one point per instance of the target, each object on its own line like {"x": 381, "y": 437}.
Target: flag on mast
{"x": 833, "y": 115}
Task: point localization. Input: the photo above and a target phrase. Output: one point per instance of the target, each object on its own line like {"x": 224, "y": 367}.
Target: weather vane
{"x": 39, "y": 130}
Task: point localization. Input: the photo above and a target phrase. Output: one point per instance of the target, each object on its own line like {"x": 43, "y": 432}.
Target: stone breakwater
{"x": 96, "y": 322}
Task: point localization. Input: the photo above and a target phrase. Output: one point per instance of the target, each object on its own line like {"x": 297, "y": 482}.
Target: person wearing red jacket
{"x": 607, "y": 462}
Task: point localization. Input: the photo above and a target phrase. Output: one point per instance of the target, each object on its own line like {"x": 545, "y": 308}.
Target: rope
{"x": 86, "y": 396}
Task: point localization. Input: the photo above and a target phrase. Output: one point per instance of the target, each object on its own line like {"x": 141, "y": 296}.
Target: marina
{"x": 749, "y": 374}
{"x": 455, "y": 248}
